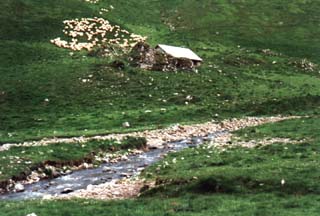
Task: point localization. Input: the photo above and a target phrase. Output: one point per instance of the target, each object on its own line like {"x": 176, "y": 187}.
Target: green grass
{"x": 18, "y": 162}
{"x": 200, "y": 205}
{"x": 242, "y": 170}
{"x": 238, "y": 181}
{"x": 297, "y": 129}
{"x": 232, "y": 82}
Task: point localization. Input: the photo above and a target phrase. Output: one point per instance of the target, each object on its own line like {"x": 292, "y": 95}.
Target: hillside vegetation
{"x": 42, "y": 93}
{"x": 260, "y": 59}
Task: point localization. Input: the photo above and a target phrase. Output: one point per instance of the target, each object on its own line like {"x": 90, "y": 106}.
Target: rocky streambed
{"x": 107, "y": 172}
{"x": 160, "y": 142}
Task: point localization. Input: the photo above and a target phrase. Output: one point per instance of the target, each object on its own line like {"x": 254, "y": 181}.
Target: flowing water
{"x": 104, "y": 173}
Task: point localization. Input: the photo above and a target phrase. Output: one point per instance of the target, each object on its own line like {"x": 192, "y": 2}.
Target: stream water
{"x": 104, "y": 173}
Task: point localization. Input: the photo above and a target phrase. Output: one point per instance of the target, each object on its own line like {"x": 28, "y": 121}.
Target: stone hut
{"x": 163, "y": 57}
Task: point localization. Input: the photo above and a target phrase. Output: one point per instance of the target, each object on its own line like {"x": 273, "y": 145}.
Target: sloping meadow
{"x": 49, "y": 91}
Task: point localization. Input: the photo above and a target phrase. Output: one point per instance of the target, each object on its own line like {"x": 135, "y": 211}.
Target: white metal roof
{"x": 179, "y": 52}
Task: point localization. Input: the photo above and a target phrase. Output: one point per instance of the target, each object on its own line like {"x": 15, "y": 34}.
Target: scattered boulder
{"x": 126, "y": 124}
{"x": 269, "y": 52}
{"x": 67, "y": 172}
{"x": 51, "y": 171}
{"x": 19, "y": 187}
{"x": 196, "y": 140}
{"x": 90, "y": 187}
{"x": 66, "y": 191}
{"x": 86, "y": 165}
{"x": 124, "y": 158}
{"x": 106, "y": 169}
{"x": 126, "y": 175}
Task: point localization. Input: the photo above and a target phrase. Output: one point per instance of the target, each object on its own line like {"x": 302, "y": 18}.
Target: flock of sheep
{"x": 88, "y": 33}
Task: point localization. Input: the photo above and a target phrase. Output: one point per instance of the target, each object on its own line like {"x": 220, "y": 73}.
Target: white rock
{"x": 32, "y": 214}
{"x": 189, "y": 97}
{"x": 19, "y": 187}
{"x": 116, "y": 193}
{"x": 106, "y": 169}
{"x": 67, "y": 190}
{"x": 124, "y": 157}
{"x": 90, "y": 187}
{"x": 85, "y": 165}
{"x": 126, "y": 124}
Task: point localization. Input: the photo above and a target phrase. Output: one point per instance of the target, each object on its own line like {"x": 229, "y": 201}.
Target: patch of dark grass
{"x": 309, "y": 104}
{"x": 202, "y": 205}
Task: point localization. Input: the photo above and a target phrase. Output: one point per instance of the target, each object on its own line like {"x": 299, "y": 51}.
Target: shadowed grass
{"x": 202, "y": 205}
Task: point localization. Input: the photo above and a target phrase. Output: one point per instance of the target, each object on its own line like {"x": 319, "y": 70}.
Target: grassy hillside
{"x": 41, "y": 88}
{"x": 260, "y": 58}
